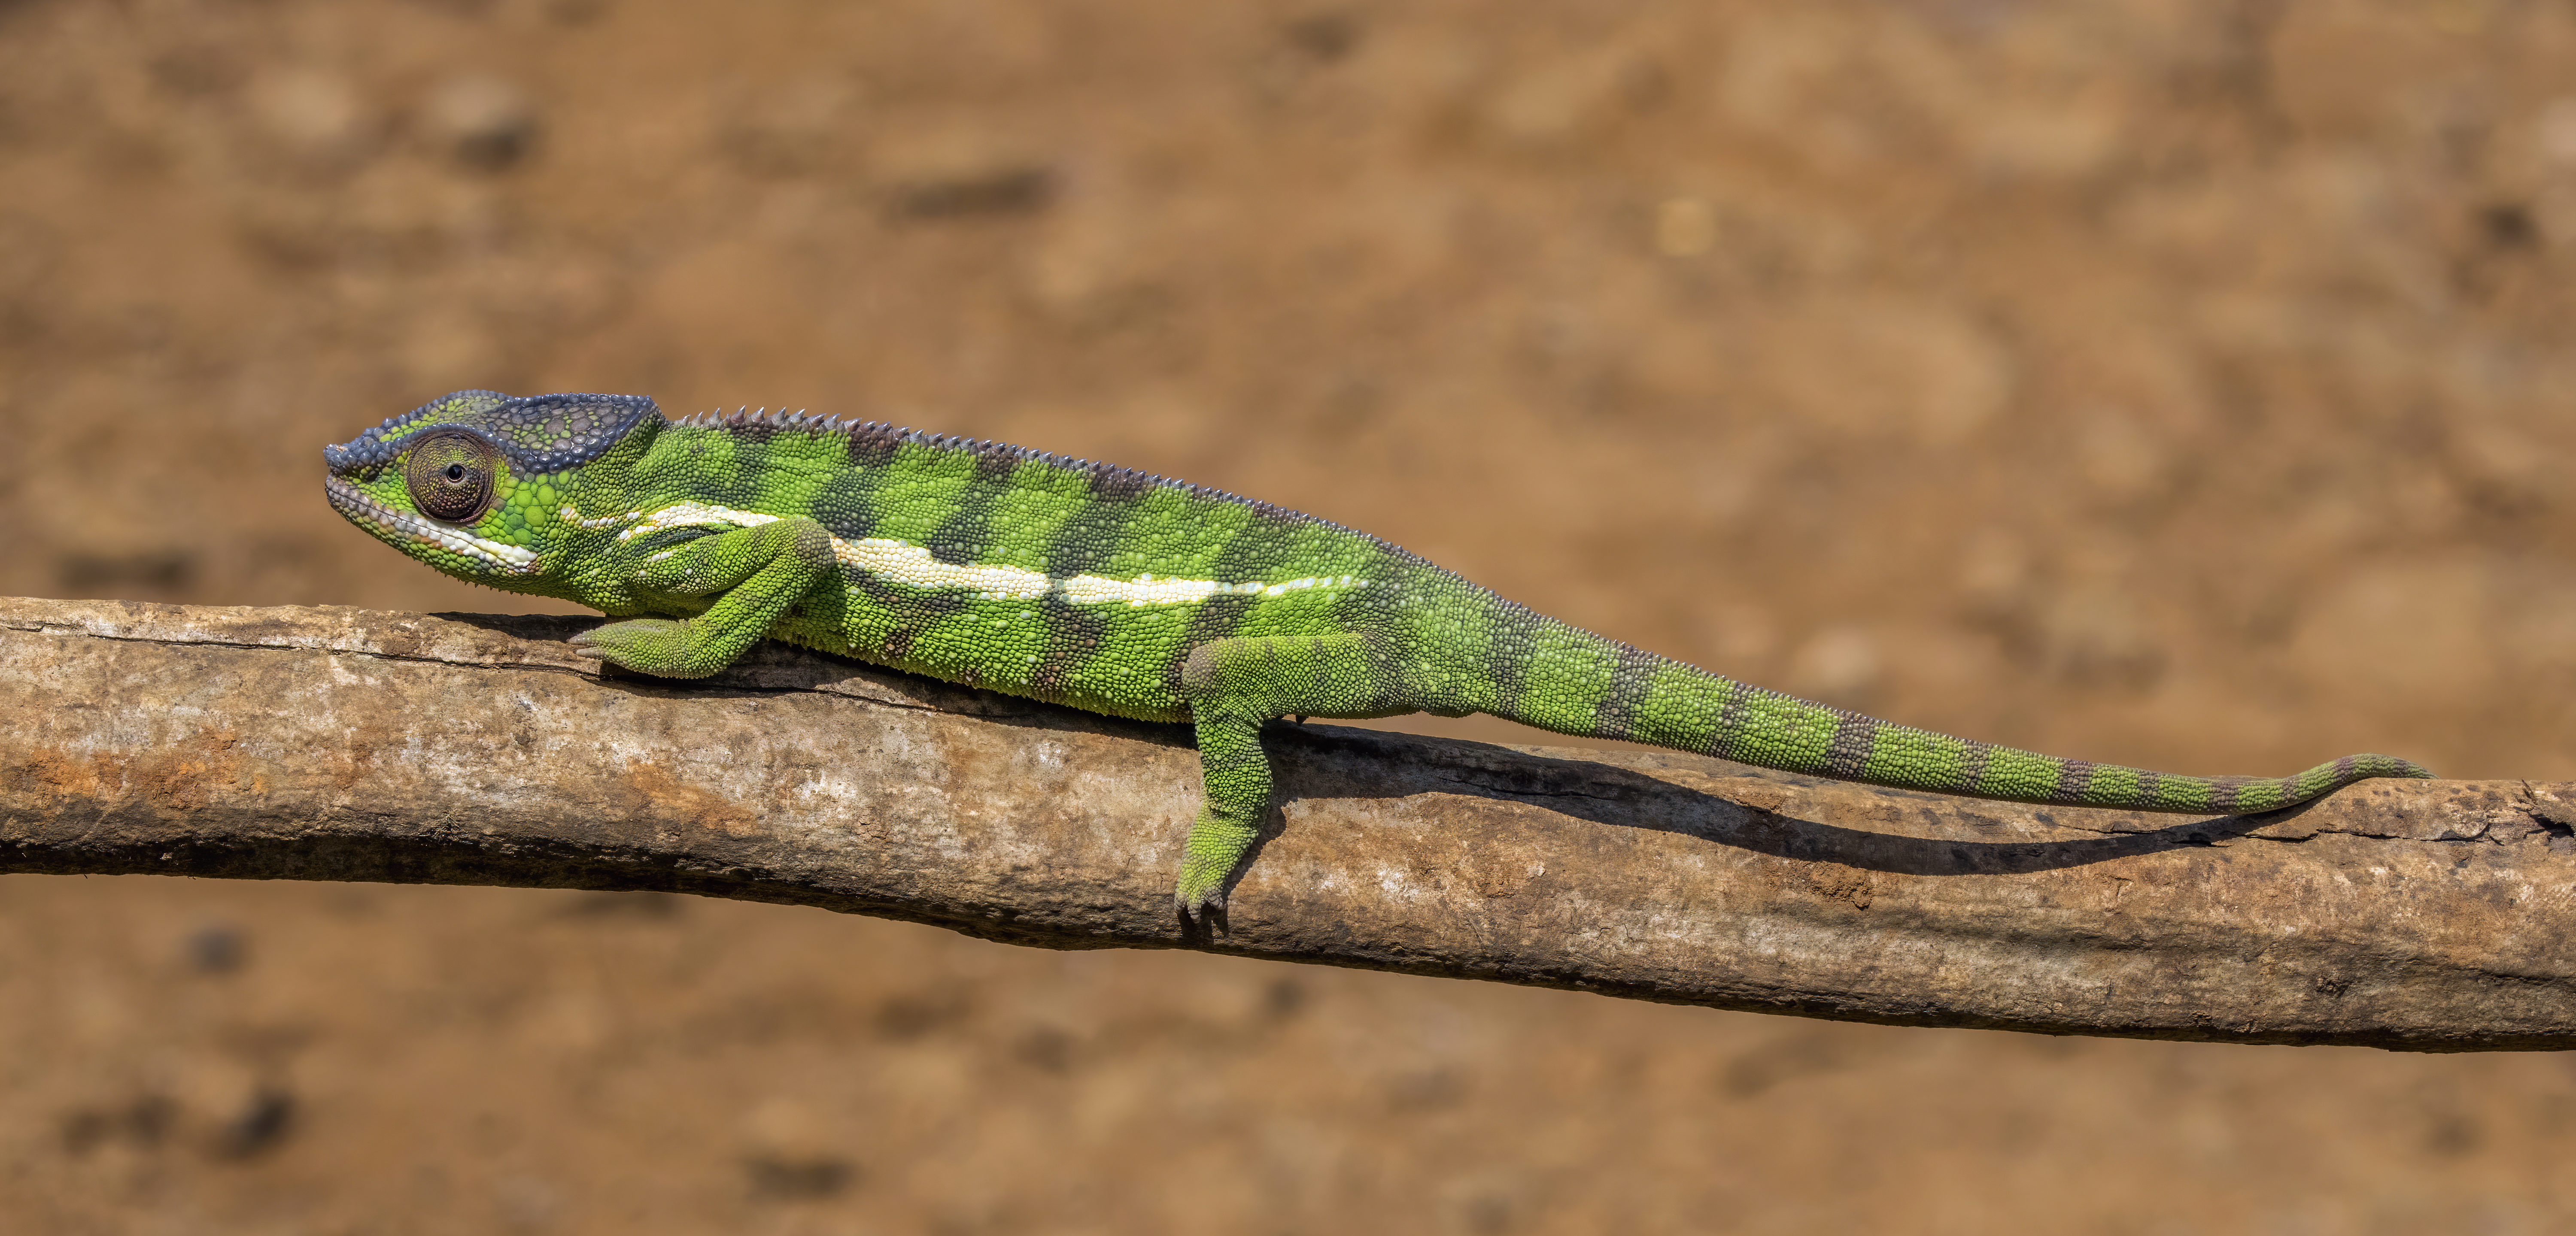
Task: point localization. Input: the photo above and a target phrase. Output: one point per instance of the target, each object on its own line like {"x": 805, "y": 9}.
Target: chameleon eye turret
{"x": 450, "y": 474}
{"x": 478, "y": 484}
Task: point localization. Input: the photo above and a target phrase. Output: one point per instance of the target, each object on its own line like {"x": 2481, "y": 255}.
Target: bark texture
{"x": 339, "y": 744}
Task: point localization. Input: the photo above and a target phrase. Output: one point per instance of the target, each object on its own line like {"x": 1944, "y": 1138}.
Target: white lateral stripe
{"x": 572, "y": 515}
{"x": 912, "y": 564}
{"x": 905, "y": 563}
{"x": 1296, "y": 585}
{"x": 696, "y": 515}
{"x": 1140, "y": 591}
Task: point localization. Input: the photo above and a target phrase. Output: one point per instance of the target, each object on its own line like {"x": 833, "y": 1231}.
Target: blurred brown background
{"x": 2178, "y": 382}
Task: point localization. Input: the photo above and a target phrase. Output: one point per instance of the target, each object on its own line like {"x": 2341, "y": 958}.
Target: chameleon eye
{"x": 450, "y": 474}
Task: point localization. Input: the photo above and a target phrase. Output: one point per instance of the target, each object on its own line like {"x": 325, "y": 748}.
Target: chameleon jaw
{"x": 401, "y": 526}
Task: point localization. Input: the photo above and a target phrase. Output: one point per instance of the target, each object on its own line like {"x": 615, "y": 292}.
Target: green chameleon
{"x": 1097, "y": 587}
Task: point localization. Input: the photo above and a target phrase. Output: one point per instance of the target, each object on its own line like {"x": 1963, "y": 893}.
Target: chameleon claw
{"x": 1202, "y": 917}
{"x": 1192, "y": 907}
{"x": 1195, "y": 903}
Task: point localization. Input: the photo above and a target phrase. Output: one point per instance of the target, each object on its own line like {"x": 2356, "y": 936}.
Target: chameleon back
{"x": 998, "y": 566}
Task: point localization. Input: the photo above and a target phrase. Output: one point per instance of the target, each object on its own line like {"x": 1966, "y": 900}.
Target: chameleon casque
{"x": 1097, "y": 587}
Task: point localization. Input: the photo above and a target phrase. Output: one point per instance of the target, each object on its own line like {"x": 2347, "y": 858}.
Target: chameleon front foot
{"x": 659, "y": 646}
{"x": 1216, "y": 847}
{"x": 755, "y": 574}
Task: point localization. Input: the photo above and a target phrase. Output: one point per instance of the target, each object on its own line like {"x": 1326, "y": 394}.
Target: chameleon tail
{"x": 1574, "y": 682}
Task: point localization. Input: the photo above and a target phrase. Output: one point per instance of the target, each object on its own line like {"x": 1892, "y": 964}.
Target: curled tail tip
{"x": 2258, "y": 795}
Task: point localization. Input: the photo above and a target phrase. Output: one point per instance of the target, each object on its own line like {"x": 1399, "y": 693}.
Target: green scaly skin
{"x": 1096, "y": 587}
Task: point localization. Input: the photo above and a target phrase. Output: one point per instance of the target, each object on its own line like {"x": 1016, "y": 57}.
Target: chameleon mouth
{"x": 398, "y": 527}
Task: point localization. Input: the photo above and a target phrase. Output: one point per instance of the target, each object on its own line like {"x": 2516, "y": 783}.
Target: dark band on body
{"x": 1848, "y": 752}
{"x": 915, "y": 611}
{"x": 1507, "y": 669}
{"x": 750, "y": 429}
{"x": 740, "y": 485}
{"x": 2073, "y": 778}
{"x": 1247, "y": 554}
{"x": 1081, "y": 545}
{"x": 1511, "y": 640}
{"x": 996, "y": 461}
{"x": 1728, "y": 738}
{"x": 873, "y": 444}
{"x": 846, "y": 506}
{"x": 1112, "y": 481}
{"x": 1972, "y": 767}
{"x": 917, "y": 615}
{"x": 967, "y": 532}
{"x": 1074, "y": 634}
{"x": 1632, "y": 675}
{"x": 1212, "y": 619}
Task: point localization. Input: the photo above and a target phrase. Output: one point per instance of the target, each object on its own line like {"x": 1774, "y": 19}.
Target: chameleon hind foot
{"x": 1235, "y": 686}
{"x": 1216, "y": 847}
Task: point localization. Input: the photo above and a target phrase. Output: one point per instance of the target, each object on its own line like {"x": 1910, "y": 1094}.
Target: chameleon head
{"x": 472, "y": 482}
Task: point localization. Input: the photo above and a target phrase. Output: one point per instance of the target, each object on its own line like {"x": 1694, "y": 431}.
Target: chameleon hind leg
{"x": 1234, "y": 687}
{"x": 760, "y": 572}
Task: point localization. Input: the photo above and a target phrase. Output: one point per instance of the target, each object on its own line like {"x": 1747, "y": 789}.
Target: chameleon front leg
{"x": 760, "y": 572}
{"x": 1234, "y": 686}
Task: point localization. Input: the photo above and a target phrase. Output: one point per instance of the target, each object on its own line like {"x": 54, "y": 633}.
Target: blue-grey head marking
{"x": 536, "y": 433}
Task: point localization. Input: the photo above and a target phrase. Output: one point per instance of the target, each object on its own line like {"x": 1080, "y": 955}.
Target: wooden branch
{"x": 339, "y": 744}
